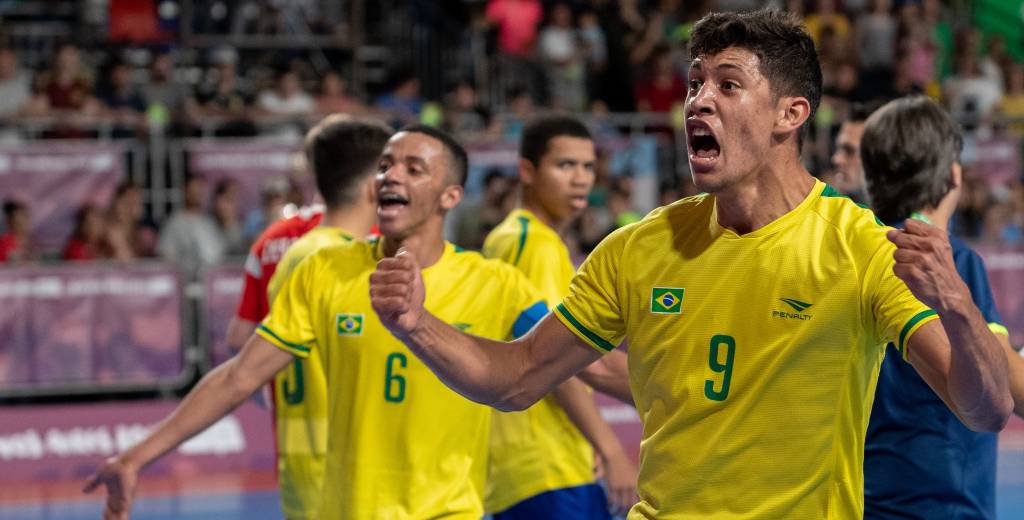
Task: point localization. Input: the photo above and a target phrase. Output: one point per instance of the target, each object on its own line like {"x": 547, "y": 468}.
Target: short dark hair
{"x": 784, "y": 49}
{"x": 12, "y": 206}
{"x": 860, "y": 111}
{"x": 457, "y": 154}
{"x": 908, "y": 151}
{"x": 537, "y": 135}
{"x": 342, "y": 151}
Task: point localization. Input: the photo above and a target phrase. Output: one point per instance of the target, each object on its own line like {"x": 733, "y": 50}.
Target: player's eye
{"x": 730, "y": 85}
{"x": 695, "y": 84}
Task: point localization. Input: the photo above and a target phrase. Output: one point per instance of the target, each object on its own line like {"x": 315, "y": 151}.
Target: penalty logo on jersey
{"x": 350, "y": 324}
{"x": 667, "y": 300}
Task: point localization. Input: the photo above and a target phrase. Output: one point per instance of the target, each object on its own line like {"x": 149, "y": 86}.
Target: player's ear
{"x": 527, "y": 172}
{"x": 792, "y": 113}
{"x": 451, "y": 196}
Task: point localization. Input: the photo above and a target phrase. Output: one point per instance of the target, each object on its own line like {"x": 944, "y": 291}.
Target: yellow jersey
{"x": 300, "y": 399}
{"x": 402, "y": 445}
{"x": 538, "y": 449}
{"x": 753, "y": 358}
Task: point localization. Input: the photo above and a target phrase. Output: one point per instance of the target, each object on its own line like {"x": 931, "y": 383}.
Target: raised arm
{"x": 215, "y": 396}
{"x": 482, "y": 370}
{"x": 959, "y": 357}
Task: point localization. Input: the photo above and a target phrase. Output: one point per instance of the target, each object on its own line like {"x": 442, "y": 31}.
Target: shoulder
{"x": 855, "y": 223}
{"x": 486, "y": 269}
{"x": 679, "y": 216}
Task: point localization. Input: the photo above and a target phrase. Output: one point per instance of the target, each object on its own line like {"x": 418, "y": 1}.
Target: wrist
{"x": 956, "y": 303}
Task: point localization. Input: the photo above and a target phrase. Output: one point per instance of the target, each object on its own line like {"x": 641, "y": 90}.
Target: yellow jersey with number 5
{"x": 401, "y": 444}
{"x": 300, "y": 399}
{"x": 538, "y": 449}
{"x": 753, "y": 358}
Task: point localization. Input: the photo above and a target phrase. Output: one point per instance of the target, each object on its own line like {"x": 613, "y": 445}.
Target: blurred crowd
{"x": 591, "y": 57}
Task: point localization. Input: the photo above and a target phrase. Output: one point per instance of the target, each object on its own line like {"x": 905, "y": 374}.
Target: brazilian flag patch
{"x": 350, "y": 324}
{"x": 667, "y": 300}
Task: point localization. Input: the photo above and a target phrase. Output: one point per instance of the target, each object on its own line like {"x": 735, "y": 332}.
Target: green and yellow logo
{"x": 797, "y": 305}
{"x": 350, "y": 324}
{"x": 667, "y": 300}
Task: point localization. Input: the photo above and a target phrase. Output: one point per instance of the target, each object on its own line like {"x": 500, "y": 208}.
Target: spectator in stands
{"x": 463, "y": 114}
{"x": 190, "y": 238}
{"x": 516, "y": 22}
{"x": 403, "y": 102}
{"x": 476, "y": 220}
{"x": 824, "y": 15}
{"x": 522, "y": 108}
{"x": 15, "y": 244}
{"x": 663, "y": 87}
{"x": 169, "y": 102}
{"x": 227, "y": 101}
{"x": 128, "y": 235}
{"x": 225, "y": 214}
{"x": 560, "y": 51}
{"x": 1012, "y": 104}
{"x": 334, "y": 98}
{"x": 876, "y": 41}
{"x": 15, "y": 85}
{"x": 287, "y": 97}
{"x": 971, "y": 95}
{"x": 273, "y": 199}
{"x": 123, "y": 102}
{"x": 87, "y": 239}
{"x": 67, "y": 86}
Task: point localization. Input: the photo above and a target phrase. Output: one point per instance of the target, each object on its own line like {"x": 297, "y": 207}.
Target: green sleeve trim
{"x": 300, "y": 348}
{"x": 524, "y": 223}
{"x": 910, "y": 326}
{"x": 587, "y": 333}
{"x": 998, "y": 328}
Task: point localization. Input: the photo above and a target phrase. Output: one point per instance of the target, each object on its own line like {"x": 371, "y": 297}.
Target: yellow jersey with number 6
{"x": 401, "y": 444}
{"x": 538, "y": 449}
{"x": 753, "y": 358}
{"x": 300, "y": 399}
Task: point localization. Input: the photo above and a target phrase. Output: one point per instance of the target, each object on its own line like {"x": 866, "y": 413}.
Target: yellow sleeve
{"x": 540, "y": 263}
{"x": 592, "y": 308}
{"x": 896, "y": 313}
{"x": 289, "y": 324}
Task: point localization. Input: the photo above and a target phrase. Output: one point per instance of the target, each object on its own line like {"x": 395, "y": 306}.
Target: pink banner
{"x": 1006, "y": 274}
{"x": 75, "y": 325}
{"x": 54, "y": 180}
{"x": 222, "y": 288}
{"x": 68, "y": 442}
{"x": 253, "y": 164}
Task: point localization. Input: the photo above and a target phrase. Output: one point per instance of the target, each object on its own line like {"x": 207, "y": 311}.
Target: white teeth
{"x": 700, "y": 132}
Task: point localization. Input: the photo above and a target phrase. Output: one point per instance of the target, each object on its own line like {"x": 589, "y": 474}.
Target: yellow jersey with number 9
{"x": 402, "y": 445}
{"x": 753, "y": 358}
{"x": 300, "y": 399}
{"x": 538, "y": 449}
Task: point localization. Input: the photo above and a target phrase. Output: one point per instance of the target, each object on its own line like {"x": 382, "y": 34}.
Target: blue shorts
{"x": 587, "y": 502}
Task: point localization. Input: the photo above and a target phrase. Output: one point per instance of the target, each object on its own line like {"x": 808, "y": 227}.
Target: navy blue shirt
{"x": 920, "y": 461}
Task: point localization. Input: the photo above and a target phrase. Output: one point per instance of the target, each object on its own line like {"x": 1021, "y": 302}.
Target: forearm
{"x": 579, "y": 406}
{"x": 217, "y": 393}
{"x": 610, "y": 375}
{"x": 239, "y": 331}
{"x": 479, "y": 369}
{"x": 978, "y": 383}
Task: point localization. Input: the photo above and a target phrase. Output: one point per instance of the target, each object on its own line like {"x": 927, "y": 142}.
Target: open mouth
{"x": 578, "y": 201}
{"x": 703, "y": 145}
{"x": 390, "y": 203}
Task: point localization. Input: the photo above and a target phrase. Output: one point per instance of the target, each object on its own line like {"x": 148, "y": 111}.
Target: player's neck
{"x": 531, "y": 204}
{"x": 426, "y": 244}
{"x": 762, "y": 198}
{"x": 355, "y": 220}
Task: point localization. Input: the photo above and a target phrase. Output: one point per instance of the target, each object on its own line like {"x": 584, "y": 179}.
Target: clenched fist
{"x": 924, "y": 261}
{"x": 397, "y": 293}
